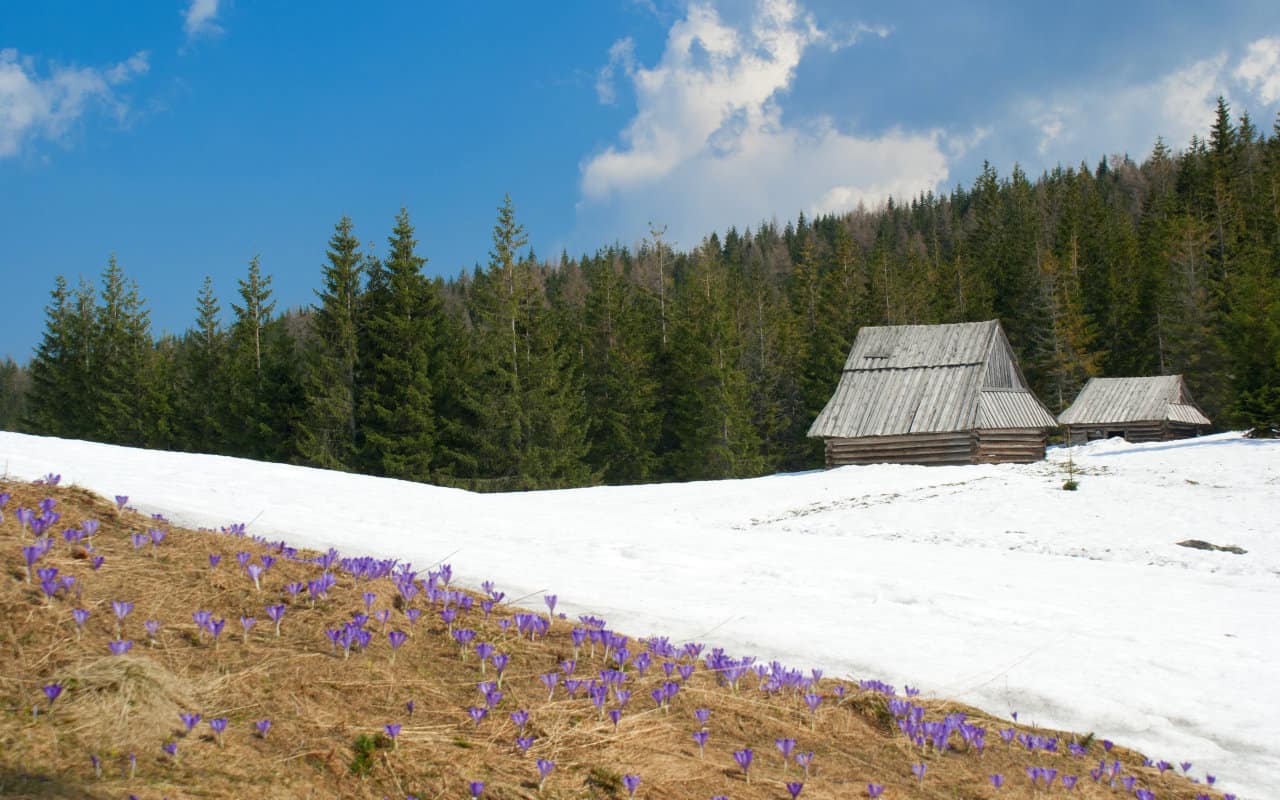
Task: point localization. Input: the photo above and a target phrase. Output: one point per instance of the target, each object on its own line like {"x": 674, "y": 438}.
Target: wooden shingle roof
{"x": 904, "y": 379}
{"x": 1159, "y": 398}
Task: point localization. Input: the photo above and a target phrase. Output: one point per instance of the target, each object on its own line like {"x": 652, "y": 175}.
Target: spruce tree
{"x": 714, "y": 435}
{"x": 246, "y": 411}
{"x": 620, "y": 366}
{"x": 526, "y": 394}
{"x": 396, "y": 412}
{"x": 327, "y": 435}
{"x": 202, "y": 366}
{"x": 122, "y": 350}
{"x": 55, "y": 399}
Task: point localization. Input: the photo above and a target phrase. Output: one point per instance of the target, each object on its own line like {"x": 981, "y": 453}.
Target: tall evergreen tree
{"x": 122, "y": 349}
{"x": 396, "y": 405}
{"x": 526, "y": 395}
{"x": 202, "y": 365}
{"x": 327, "y": 435}
{"x": 246, "y": 391}
{"x": 714, "y": 434}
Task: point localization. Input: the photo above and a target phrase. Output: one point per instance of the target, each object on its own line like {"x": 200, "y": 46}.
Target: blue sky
{"x": 187, "y": 137}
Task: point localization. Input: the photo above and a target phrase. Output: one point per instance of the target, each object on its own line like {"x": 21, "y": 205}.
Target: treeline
{"x": 651, "y": 364}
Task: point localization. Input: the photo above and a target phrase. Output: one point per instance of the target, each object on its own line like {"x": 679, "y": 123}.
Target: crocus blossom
{"x": 545, "y": 766}
{"x": 631, "y": 783}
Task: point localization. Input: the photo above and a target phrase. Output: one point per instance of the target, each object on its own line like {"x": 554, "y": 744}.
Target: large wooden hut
{"x": 1150, "y": 409}
{"x": 932, "y": 394}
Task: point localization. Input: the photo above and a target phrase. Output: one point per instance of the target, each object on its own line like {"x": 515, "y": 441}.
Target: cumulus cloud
{"x": 47, "y": 106}
{"x": 1259, "y": 70}
{"x": 1077, "y": 123}
{"x": 708, "y": 145}
{"x": 622, "y": 56}
{"x": 199, "y": 18}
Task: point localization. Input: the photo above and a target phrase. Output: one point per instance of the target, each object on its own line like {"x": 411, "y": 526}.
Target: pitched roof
{"x": 929, "y": 379}
{"x": 1114, "y": 400}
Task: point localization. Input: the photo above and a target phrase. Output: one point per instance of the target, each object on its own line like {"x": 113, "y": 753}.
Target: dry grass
{"x": 319, "y": 703}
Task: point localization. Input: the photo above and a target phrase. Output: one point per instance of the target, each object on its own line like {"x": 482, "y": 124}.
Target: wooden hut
{"x": 933, "y": 394}
{"x": 1151, "y": 409}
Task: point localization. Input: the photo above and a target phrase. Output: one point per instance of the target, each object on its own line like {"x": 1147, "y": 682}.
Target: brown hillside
{"x": 321, "y": 703}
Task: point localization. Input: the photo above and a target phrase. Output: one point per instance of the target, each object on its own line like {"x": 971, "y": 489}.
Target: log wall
{"x": 1014, "y": 445}
{"x": 1153, "y": 431}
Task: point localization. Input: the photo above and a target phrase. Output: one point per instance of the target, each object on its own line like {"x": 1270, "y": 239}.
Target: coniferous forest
{"x": 633, "y": 365}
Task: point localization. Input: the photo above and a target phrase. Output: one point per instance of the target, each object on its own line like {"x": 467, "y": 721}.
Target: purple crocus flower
{"x": 743, "y": 757}
{"x": 80, "y": 615}
{"x": 255, "y": 574}
{"x": 396, "y": 638}
{"x": 785, "y": 746}
{"x": 700, "y": 739}
{"x": 121, "y": 499}
{"x": 409, "y": 706}
{"x": 550, "y": 600}
{"x": 51, "y": 691}
{"x": 520, "y": 718}
{"x": 243, "y": 558}
{"x": 214, "y": 560}
{"x": 477, "y": 713}
{"x": 96, "y": 562}
{"x": 702, "y": 715}
{"x": 631, "y": 783}
{"x": 31, "y": 554}
{"x": 247, "y": 623}
{"x": 219, "y": 725}
{"x": 152, "y": 627}
{"x": 369, "y": 598}
{"x": 122, "y": 609}
{"x": 1069, "y": 781}
{"x": 615, "y": 714}
{"x": 476, "y": 788}
{"x": 874, "y": 790}
{"x": 393, "y": 732}
{"x": 524, "y": 743}
{"x": 276, "y": 613}
{"x": 997, "y": 781}
{"x": 171, "y": 749}
{"x": 500, "y": 661}
{"x": 97, "y": 765}
{"x": 545, "y": 766}
{"x": 119, "y": 647}
{"x": 794, "y": 788}
{"x": 550, "y": 680}
{"x": 919, "y": 770}
{"x": 804, "y": 760}
{"x": 189, "y": 720}
{"x": 139, "y": 540}
{"x": 263, "y": 725}
{"x": 1145, "y": 794}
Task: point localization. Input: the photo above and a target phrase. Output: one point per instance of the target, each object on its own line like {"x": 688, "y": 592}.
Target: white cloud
{"x": 1086, "y": 123}
{"x": 708, "y": 145}
{"x": 621, "y": 56}
{"x": 199, "y": 18}
{"x": 36, "y": 106}
{"x": 1260, "y": 69}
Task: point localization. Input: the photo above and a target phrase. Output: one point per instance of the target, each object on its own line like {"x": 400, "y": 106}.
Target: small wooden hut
{"x": 1151, "y": 409}
{"x": 932, "y": 394}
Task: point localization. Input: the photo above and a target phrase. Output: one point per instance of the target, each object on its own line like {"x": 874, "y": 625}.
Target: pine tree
{"x": 620, "y": 364}
{"x": 396, "y": 412}
{"x": 327, "y": 435}
{"x": 122, "y": 349}
{"x": 14, "y": 384}
{"x": 526, "y": 394}
{"x": 202, "y": 365}
{"x": 55, "y": 398}
{"x": 246, "y": 391}
{"x": 714, "y": 434}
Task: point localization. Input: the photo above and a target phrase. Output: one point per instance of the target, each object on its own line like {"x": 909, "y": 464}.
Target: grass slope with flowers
{"x": 141, "y": 659}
